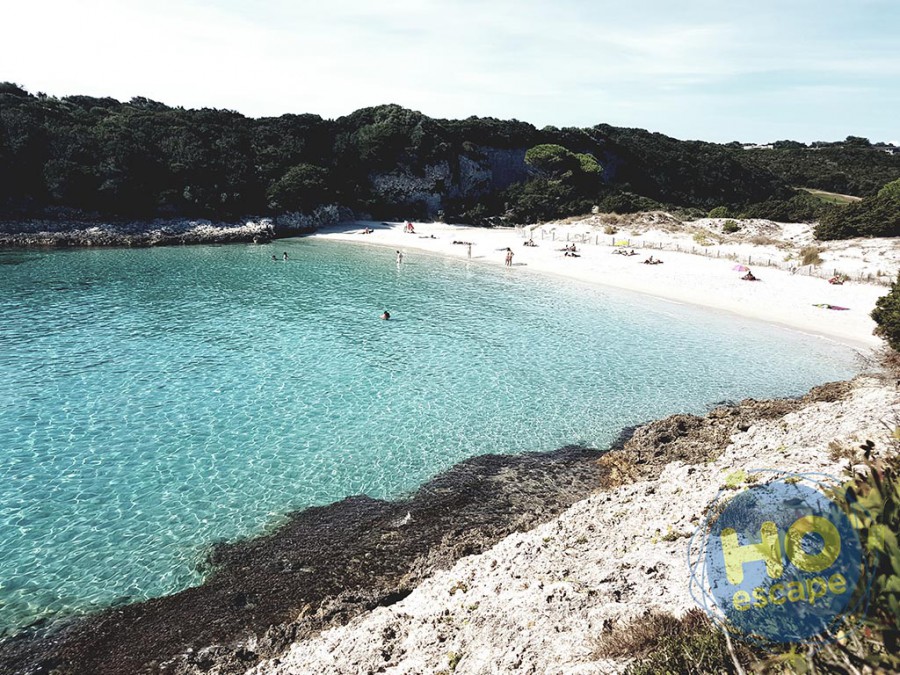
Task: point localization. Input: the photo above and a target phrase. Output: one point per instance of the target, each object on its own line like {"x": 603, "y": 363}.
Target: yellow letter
{"x": 824, "y": 558}
{"x": 837, "y": 583}
{"x": 769, "y": 549}
{"x": 759, "y": 595}
{"x": 741, "y": 601}
{"x": 795, "y": 591}
{"x": 779, "y": 600}
{"x": 811, "y": 590}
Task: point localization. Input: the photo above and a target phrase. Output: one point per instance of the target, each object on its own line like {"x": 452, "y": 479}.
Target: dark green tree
{"x": 877, "y": 216}
{"x": 887, "y": 315}
{"x": 552, "y": 162}
{"x": 303, "y": 187}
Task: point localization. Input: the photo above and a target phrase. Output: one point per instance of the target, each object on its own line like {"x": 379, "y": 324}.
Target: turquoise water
{"x": 154, "y": 401}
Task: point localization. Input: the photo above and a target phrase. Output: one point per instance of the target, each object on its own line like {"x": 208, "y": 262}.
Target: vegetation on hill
{"x": 887, "y": 316}
{"x": 874, "y": 216}
{"x": 851, "y": 167}
{"x": 143, "y": 159}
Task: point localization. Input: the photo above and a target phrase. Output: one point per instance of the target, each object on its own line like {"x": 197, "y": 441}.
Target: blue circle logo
{"x": 781, "y": 562}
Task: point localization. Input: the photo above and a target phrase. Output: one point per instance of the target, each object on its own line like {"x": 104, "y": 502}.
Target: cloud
{"x": 564, "y": 63}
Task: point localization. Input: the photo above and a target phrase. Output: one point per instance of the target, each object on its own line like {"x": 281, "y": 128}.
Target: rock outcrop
{"x": 502, "y": 564}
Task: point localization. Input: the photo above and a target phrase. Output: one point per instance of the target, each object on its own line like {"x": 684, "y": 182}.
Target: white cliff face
{"x": 537, "y": 601}
{"x": 321, "y": 216}
{"x": 401, "y": 186}
{"x": 489, "y": 170}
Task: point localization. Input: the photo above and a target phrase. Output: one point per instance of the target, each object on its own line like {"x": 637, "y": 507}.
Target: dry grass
{"x": 810, "y": 256}
{"x": 659, "y": 642}
{"x": 838, "y": 451}
{"x": 764, "y": 240}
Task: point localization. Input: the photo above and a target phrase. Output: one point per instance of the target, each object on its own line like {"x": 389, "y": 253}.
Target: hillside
{"x": 86, "y": 157}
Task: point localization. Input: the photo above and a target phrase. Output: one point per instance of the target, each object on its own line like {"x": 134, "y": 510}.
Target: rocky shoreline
{"x": 332, "y": 571}
{"x": 79, "y": 230}
{"x": 540, "y": 601}
{"x": 327, "y": 565}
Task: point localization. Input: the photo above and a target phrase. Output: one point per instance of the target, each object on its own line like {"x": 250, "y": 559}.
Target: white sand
{"x": 780, "y": 297}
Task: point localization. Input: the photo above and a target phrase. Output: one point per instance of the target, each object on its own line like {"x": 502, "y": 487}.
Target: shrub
{"x": 702, "y": 238}
{"x": 661, "y": 643}
{"x": 610, "y": 229}
{"x": 730, "y": 227}
{"x": 873, "y": 500}
{"x": 719, "y": 212}
{"x": 626, "y": 202}
{"x": 810, "y": 256}
{"x": 764, "y": 240}
{"x": 887, "y": 315}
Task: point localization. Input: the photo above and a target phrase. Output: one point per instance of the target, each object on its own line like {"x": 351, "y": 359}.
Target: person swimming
{"x": 385, "y": 315}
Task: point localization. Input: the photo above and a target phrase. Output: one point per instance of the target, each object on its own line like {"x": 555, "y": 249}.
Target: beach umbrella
{"x": 740, "y": 268}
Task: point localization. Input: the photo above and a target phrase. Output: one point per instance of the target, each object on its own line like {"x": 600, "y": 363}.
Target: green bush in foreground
{"x": 887, "y": 315}
{"x": 873, "y": 498}
{"x": 868, "y": 643}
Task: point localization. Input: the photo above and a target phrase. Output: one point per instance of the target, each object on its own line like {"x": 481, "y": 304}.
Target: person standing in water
{"x": 509, "y": 257}
{"x": 469, "y": 249}
{"x": 385, "y": 315}
{"x": 399, "y": 257}
{"x": 284, "y": 257}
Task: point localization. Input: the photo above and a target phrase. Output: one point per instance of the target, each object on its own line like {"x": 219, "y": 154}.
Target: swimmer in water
{"x": 386, "y": 315}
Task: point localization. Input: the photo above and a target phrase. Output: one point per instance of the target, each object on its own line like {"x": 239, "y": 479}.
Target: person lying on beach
{"x": 651, "y": 261}
{"x": 469, "y": 243}
{"x": 749, "y": 277}
{"x": 837, "y": 280}
{"x": 368, "y": 230}
{"x": 530, "y": 242}
{"x": 569, "y": 254}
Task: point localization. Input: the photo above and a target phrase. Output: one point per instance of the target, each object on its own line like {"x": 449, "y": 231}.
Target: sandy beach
{"x": 779, "y": 297}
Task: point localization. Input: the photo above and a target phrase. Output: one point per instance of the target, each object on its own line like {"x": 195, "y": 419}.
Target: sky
{"x": 716, "y": 70}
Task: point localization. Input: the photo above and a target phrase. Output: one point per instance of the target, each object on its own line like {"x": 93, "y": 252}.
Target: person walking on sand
{"x": 399, "y": 257}
{"x": 509, "y": 257}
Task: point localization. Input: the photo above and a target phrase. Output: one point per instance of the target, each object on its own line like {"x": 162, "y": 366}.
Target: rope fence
{"x": 755, "y": 260}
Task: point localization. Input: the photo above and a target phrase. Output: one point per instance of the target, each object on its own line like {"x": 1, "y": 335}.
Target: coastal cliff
{"x": 502, "y": 564}
{"x": 541, "y": 601}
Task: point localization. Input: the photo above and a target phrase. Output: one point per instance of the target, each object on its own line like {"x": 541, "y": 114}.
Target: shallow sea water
{"x": 155, "y": 401}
